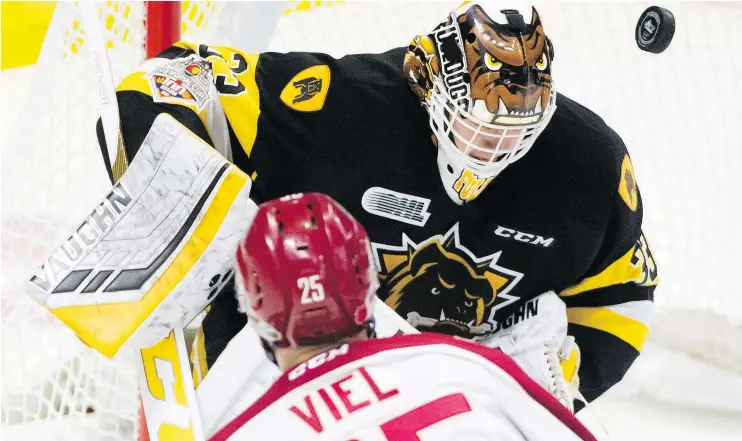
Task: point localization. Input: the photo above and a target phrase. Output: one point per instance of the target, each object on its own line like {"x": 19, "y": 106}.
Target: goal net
{"x": 678, "y": 112}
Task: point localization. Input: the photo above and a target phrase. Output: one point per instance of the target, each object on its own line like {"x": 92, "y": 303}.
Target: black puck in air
{"x": 655, "y": 29}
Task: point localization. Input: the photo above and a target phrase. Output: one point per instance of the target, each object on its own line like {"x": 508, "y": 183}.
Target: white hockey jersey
{"x": 424, "y": 387}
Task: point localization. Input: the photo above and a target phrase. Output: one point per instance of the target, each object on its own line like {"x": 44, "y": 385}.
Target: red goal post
{"x": 162, "y": 22}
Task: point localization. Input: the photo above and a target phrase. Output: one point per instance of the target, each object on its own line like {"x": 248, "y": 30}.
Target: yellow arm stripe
{"x": 620, "y": 271}
{"x": 242, "y": 110}
{"x": 107, "y": 327}
{"x": 629, "y": 330}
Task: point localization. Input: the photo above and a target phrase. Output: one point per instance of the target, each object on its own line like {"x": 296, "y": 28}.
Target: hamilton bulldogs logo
{"x": 307, "y": 90}
{"x": 440, "y": 286}
{"x": 307, "y": 87}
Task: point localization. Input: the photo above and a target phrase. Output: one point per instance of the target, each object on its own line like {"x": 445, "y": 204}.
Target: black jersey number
{"x": 643, "y": 256}
{"x": 225, "y": 71}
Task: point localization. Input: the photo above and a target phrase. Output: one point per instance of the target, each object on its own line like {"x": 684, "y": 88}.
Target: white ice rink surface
{"x": 669, "y": 396}
{"x": 643, "y": 419}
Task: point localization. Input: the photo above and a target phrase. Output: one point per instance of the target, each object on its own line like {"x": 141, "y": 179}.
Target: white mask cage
{"x": 485, "y": 147}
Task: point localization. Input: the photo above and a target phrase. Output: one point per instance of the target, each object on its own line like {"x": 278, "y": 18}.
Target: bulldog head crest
{"x": 439, "y": 285}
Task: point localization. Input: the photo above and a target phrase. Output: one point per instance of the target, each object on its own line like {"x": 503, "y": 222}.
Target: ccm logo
{"x": 533, "y": 239}
{"x": 317, "y": 361}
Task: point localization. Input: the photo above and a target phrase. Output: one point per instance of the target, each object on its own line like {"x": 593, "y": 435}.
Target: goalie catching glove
{"x": 541, "y": 347}
{"x": 156, "y": 250}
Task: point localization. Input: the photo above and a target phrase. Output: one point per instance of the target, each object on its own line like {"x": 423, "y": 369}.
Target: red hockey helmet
{"x": 304, "y": 272}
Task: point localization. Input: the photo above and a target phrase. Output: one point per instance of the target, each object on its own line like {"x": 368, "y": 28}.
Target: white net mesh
{"x": 678, "y": 113}
{"x": 53, "y": 387}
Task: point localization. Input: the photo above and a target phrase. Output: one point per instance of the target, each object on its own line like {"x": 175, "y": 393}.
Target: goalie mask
{"x": 304, "y": 272}
{"x": 485, "y": 79}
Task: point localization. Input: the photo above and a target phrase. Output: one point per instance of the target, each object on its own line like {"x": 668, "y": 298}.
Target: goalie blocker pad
{"x": 156, "y": 250}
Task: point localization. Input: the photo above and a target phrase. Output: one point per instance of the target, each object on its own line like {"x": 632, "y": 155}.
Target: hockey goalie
{"x": 499, "y": 210}
{"x": 306, "y": 280}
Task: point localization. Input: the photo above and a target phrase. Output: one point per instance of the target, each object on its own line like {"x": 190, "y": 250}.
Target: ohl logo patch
{"x": 438, "y": 285}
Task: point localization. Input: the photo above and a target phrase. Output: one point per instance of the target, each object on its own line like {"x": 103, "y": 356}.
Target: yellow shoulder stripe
{"x": 243, "y": 110}
{"x": 234, "y": 72}
{"x": 629, "y": 330}
{"x": 234, "y": 78}
{"x": 135, "y": 81}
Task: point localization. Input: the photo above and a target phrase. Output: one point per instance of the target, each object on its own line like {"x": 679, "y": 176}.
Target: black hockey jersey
{"x": 566, "y": 217}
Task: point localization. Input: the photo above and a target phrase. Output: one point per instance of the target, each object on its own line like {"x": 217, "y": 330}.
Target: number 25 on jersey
{"x": 312, "y": 291}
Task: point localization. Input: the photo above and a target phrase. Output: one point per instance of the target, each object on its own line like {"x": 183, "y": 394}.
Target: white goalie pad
{"x": 157, "y": 248}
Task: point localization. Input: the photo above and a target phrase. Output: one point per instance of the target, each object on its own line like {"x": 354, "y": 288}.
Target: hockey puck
{"x": 655, "y": 29}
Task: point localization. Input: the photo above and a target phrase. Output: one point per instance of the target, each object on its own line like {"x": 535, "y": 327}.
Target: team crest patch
{"x": 307, "y": 90}
{"x": 183, "y": 81}
{"x": 627, "y": 188}
{"x": 438, "y": 285}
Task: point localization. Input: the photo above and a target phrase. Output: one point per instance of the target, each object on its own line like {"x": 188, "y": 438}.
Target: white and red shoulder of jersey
{"x": 408, "y": 383}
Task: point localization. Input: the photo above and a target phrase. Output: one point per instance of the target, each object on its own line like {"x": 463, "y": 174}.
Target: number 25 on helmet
{"x": 304, "y": 272}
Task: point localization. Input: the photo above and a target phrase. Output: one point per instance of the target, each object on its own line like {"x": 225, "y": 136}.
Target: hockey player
{"x": 305, "y": 278}
{"x": 532, "y": 218}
